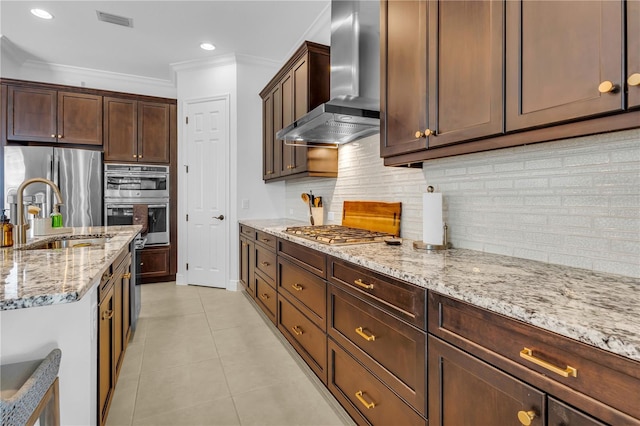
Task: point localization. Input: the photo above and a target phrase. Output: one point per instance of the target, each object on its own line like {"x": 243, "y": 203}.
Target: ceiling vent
{"x": 114, "y": 19}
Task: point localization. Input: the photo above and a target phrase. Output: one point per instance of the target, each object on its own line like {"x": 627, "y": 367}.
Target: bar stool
{"x": 29, "y": 392}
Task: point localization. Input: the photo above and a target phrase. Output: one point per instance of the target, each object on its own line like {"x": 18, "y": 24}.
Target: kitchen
{"x": 570, "y": 202}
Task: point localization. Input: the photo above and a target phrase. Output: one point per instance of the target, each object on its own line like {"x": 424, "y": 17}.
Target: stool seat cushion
{"x": 23, "y": 385}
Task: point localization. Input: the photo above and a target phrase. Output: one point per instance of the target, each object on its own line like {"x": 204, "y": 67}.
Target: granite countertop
{"x": 599, "y": 309}
{"x": 46, "y": 277}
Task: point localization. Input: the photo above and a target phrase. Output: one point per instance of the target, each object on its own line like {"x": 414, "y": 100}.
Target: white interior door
{"x": 207, "y": 156}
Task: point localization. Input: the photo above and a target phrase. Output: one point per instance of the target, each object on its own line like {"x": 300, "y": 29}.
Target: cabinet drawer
{"x": 308, "y": 340}
{"x": 395, "y": 297}
{"x": 267, "y": 239}
{"x": 392, "y": 349}
{"x": 305, "y": 288}
{"x": 305, "y": 257}
{"x": 560, "y": 414}
{"x": 266, "y": 297}
{"x": 266, "y": 263}
{"x": 502, "y": 341}
{"x": 248, "y": 232}
{"x": 364, "y": 397}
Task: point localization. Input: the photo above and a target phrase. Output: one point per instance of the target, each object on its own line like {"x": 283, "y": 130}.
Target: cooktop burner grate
{"x": 337, "y": 234}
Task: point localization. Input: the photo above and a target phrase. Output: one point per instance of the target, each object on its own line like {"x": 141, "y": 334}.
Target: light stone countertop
{"x": 46, "y": 277}
{"x": 599, "y": 309}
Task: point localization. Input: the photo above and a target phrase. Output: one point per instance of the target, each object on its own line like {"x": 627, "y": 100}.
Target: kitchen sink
{"x": 69, "y": 242}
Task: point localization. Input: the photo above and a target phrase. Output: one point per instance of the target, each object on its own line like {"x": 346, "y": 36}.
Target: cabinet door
{"x": 276, "y": 125}
{"x": 558, "y": 54}
{"x": 118, "y": 349}
{"x": 464, "y": 390}
{"x": 244, "y": 262}
{"x": 633, "y": 53}
{"x": 300, "y": 75}
{"x": 153, "y": 132}
{"x": 126, "y": 305}
{"x": 79, "y": 118}
{"x": 268, "y": 152}
{"x": 403, "y": 73}
{"x": 106, "y": 361}
{"x": 155, "y": 262}
{"x": 120, "y": 129}
{"x": 31, "y": 114}
{"x": 286, "y": 89}
{"x": 466, "y": 64}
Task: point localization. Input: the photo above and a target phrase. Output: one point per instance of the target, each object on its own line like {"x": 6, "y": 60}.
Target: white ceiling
{"x": 163, "y": 33}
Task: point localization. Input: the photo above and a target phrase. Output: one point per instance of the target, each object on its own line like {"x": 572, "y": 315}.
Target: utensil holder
{"x": 318, "y": 215}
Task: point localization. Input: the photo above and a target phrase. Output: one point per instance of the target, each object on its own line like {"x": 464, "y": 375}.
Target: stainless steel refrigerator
{"x": 77, "y": 172}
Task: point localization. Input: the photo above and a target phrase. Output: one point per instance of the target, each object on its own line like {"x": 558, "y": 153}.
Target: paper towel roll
{"x": 432, "y": 218}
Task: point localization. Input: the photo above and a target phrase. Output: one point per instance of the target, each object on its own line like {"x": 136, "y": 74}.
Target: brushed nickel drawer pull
{"x": 297, "y": 287}
{"x": 297, "y": 330}
{"x": 359, "y": 283}
{"x": 107, "y": 314}
{"x": 367, "y": 405}
{"x": 264, "y": 296}
{"x": 265, "y": 264}
{"x": 365, "y": 336}
{"x": 527, "y": 354}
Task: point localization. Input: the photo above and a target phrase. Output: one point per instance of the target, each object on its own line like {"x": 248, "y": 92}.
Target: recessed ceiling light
{"x": 41, "y": 13}
{"x": 207, "y": 46}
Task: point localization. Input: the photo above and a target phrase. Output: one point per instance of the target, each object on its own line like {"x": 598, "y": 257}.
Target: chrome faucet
{"x": 21, "y": 227}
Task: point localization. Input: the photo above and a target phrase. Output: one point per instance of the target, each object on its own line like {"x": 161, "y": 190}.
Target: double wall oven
{"x": 128, "y": 186}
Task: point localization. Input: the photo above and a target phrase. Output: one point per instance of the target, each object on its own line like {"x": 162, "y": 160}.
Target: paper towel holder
{"x": 419, "y": 245}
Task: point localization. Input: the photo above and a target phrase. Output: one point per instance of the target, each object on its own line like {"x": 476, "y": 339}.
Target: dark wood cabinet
{"x": 468, "y": 76}
{"x": 403, "y": 74}
{"x": 559, "y": 57}
{"x": 36, "y": 114}
{"x": 155, "y": 262}
{"x": 136, "y": 131}
{"x": 114, "y": 328}
{"x": 633, "y": 53}
{"x": 301, "y": 85}
{"x": 246, "y": 265}
{"x": 120, "y": 129}
{"x": 464, "y": 390}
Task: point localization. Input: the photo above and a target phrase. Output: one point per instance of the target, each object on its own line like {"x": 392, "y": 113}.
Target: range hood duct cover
{"x": 353, "y": 111}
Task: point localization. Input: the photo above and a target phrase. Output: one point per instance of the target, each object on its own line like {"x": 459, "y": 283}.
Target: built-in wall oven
{"x": 127, "y": 186}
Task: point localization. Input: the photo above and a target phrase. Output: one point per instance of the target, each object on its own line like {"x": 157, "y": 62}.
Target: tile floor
{"x": 203, "y": 356}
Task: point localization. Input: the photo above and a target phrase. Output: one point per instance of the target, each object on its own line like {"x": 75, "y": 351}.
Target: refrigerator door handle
{"x": 49, "y": 192}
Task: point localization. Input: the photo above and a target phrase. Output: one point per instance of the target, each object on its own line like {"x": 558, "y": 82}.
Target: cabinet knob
{"x": 607, "y": 87}
{"x": 127, "y": 276}
{"x": 269, "y": 172}
{"x": 526, "y": 417}
{"x": 107, "y": 314}
{"x": 60, "y": 136}
{"x": 426, "y": 133}
{"x": 53, "y": 136}
{"x": 634, "y": 79}
{"x": 140, "y": 156}
{"x": 135, "y": 156}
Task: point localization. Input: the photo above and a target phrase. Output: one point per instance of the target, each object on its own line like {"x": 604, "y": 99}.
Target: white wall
{"x": 573, "y": 202}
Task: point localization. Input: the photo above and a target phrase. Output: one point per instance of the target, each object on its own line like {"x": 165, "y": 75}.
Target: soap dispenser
{"x": 56, "y": 217}
{"x": 7, "y": 231}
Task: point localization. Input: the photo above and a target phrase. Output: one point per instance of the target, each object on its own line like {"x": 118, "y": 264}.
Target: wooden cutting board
{"x": 373, "y": 216}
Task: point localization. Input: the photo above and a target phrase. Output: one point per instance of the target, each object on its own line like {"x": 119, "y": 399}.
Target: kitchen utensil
{"x": 307, "y": 199}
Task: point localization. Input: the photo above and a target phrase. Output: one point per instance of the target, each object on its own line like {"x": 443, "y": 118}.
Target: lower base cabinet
{"x": 155, "y": 263}
{"x": 366, "y": 399}
{"x": 114, "y": 329}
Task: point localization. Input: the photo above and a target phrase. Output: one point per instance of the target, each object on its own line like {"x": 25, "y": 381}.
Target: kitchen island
{"x": 436, "y": 328}
{"x": 49, "y": 299}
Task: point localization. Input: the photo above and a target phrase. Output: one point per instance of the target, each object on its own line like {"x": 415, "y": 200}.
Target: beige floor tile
{"x": 216, "y": 413}
{"x": 243, "y": 339}
{"x": 172, "y": 307}
{"x": 166, "y": 291}
{"x": 179, "y": 387}
{"x": 295, "y": 403}
{"x": 131, "y": 366}
{"x": 232, "y": 315}
{"x": 123, "y": 404}
{"x": 192, "y": 325}
{"x": 161, "y": 354}
{"x": 254, "y": 369}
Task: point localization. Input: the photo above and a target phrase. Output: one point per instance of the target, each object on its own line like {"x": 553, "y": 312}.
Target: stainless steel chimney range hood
{"x": 353, "y": 111}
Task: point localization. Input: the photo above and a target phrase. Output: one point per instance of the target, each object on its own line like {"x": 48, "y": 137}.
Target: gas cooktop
{"x": 337, "y": 234}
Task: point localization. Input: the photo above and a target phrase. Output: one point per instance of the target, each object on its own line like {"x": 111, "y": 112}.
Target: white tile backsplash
{"x": 574, "y": 202}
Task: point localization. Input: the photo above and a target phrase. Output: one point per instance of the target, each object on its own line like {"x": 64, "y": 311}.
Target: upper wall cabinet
{"x": 44, "y": 115}
{"x": 564, "y": 61}
{"x": 301, "y": 85}
{"x": 136, "y": 131}
{"x": 473, "y": 75}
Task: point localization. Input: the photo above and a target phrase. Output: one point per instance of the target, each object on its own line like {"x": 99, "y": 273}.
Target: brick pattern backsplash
{"x": 573, "y": 202}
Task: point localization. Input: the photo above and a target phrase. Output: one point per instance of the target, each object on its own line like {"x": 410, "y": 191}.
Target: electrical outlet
{"x": 330, "y": 216}
{"x": 245, "y": 204}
